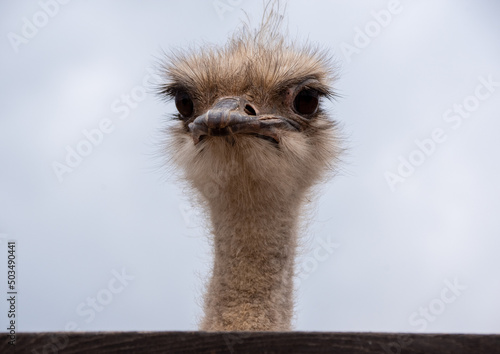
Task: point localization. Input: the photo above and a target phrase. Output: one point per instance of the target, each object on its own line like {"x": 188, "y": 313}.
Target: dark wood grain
{"x": 250, "y": 342}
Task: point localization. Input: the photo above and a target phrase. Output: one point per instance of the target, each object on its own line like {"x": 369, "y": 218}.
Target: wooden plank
{"x": 251, "y": 342}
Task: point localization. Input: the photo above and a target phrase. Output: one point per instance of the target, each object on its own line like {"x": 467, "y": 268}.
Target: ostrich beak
{"x": 235, "y": 115}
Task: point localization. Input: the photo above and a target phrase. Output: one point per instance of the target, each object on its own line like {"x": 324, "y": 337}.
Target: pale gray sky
{"x": 420, "y": 108}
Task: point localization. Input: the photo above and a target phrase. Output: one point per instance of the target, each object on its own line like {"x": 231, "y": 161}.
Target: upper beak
{"x": 235, "y": 115}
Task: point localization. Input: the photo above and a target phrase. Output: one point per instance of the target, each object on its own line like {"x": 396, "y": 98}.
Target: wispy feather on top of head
{"x": 263, "y": 57}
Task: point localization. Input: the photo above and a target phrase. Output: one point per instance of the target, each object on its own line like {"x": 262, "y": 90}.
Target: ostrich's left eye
{"x": 184, "y": 104}
{"x": 306, "y": 102}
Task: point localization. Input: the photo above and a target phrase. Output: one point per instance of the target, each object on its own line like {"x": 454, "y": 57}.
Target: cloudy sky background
{"x": 422, "y": 256}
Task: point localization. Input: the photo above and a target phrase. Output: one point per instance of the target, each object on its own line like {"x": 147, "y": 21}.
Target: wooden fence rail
{"x": 250, "y": 342}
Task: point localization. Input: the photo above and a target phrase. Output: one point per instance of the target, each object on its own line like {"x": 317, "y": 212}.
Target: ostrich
{"x": 251, "y": 139}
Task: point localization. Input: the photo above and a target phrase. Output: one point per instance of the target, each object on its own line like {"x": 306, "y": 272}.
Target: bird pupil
{"x": 184, "y": 104}
{"x": 306, "y": 101}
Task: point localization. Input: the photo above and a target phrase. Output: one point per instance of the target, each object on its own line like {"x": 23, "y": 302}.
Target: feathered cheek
{"x": 295, "y": 144}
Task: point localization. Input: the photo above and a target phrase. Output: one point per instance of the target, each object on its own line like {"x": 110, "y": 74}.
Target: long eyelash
{"x": 323, "y": 91}
{"x": 169, "y": 91}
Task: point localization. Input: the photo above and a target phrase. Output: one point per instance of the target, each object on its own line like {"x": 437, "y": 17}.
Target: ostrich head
{"x": 252, "y": 108}
{"x": 251, "y": 137}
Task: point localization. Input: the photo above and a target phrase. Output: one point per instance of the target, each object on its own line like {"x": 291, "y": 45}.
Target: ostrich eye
{"x": 306, "y": 102}
{"x": 184, "y": 104}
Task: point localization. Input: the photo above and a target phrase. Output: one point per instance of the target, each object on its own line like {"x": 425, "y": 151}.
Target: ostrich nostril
{"x": 250, "y": 110}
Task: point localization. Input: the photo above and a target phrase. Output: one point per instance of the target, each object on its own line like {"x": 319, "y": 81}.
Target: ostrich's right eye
{"x": 184, "y": 104}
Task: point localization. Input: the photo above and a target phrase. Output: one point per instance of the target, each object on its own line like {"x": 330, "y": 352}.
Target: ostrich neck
{"x": 254, "y": 248}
